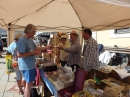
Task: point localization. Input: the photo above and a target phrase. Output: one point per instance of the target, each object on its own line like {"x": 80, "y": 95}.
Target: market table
{"x": 49, "y": 84}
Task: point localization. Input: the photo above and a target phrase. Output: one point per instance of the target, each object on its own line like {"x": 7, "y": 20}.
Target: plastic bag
{"x": 9, "y": 64}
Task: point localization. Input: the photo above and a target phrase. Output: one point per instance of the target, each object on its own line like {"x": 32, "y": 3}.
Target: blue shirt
{"x": 12, "y": 48}
{"x": 26, "y": 45}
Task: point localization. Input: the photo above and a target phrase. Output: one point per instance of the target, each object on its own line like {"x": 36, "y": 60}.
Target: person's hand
{"x": 37, "y": 52}
{"x": 60, "y": 47}
{"x": 50, "y": 47}
{"x": 66, "y": 58}
{"x": 18, "y": 54}
{"x": 57, "y": 60}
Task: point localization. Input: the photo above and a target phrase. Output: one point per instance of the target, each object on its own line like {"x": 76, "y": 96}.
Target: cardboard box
{"x": 64, "y": 85}
{"x": 115, "y": 84}
{"x": 49, "y": 67}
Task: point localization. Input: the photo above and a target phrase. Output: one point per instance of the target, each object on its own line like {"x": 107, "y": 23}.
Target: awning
{"x": 65, "y": 15}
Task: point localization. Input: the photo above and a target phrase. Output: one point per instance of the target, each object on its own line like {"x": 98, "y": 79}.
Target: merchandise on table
{"x": 54, "y": 77}
{"x": 115, "y": 84}
{"x": 82, "y": 94}
{"x": 89, "y": 82}
{"x": 49, "y": 67}
{"x": 110, "y": 92}
{"x": 89, "y": 87}
{"x": 64, "y": 80}
{"x": 106, "y": 69}
{"x": 126, "y": 92}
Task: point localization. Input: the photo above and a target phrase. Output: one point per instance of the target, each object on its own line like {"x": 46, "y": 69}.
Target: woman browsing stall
{"x": 13, "y": 51}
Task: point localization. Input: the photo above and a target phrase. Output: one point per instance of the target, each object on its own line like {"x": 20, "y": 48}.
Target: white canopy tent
{"x": 64, "y": 15}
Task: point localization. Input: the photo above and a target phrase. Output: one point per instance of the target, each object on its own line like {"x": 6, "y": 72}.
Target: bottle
{"x": 74, "y": 69}
{"x": 65, "y": 68}
{"x": 73, "y": 73}
{"x": 45, "y": 60}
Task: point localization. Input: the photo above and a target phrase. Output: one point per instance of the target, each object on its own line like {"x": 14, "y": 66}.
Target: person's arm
{"x": 43, "y": 48}
{"x": 66, "y": 57}
{"x": 28, "y": 54}
{"x": 74, "y": 48}
{"x": 15, "y": 51}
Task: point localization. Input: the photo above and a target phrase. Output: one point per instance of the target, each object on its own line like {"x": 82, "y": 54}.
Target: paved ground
{"x": 5, "y": 85}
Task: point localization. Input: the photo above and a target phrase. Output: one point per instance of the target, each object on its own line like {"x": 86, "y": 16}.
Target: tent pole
{"x": 8, "y": 35}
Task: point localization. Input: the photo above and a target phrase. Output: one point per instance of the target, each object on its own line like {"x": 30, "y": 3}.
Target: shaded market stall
{"x": 64, "y": 15}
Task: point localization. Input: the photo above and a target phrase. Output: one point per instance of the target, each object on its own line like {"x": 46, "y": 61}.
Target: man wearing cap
{"x": 90, "y": 52}
{"x": 62, "y": 55}
{"x": 74, "y": 56}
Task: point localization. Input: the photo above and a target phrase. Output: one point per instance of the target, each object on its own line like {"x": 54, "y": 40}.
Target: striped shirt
{"x": 74, "y": 53}
{"x": 90, "y": 55}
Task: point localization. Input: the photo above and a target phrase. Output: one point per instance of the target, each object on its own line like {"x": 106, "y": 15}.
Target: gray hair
{"x": 30, "y": 28}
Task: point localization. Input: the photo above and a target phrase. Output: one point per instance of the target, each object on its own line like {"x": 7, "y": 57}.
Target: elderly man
{"x": 26, "y": 53}
{"x": 90, "y": 51}
{"x": 74, "y": 52}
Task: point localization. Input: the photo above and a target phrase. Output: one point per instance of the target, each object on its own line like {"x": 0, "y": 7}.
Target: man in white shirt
{"x": 90, "y": 52}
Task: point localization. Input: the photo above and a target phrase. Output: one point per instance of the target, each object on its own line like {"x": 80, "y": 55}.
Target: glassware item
{"x": 74, "y": 69}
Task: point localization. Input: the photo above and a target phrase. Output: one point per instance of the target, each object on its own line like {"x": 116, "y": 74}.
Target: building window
{"x": 94, "y": 35}
{"x": 120, "y": 33}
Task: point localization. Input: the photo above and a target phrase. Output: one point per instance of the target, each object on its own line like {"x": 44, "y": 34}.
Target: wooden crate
{"x": 102, "y": 74}
{"x": 115, "y": 83}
